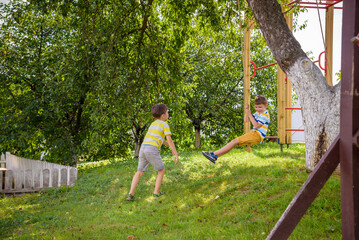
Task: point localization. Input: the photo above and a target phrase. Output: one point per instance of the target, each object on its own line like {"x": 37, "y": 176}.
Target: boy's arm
{"x": 251, "y": 118}
{"x": 173, "y": 148}
{"x": 254, "y": 122}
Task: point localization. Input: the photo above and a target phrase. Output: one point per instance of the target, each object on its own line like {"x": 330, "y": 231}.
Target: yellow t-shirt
{"x": 156, "y": 134}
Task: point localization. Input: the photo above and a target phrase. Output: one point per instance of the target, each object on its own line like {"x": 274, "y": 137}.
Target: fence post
{"x": 55, "y": 177}
{"x": 9, "y": 178}
{"x": 63, "y": 179}
{"x": 73, "y": 176}
{"x": 28, "y": 180}
{"x": 37, "y": 179}
{"x": 46, "y": 178}
{"x": 18, "y": 179}
{"x": 2, "y": 180}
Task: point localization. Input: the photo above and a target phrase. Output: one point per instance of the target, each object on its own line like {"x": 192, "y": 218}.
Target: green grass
{"x": 240, "y": 197}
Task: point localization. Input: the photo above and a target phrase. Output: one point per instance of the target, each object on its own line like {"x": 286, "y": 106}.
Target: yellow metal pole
{"x": 284, "y": 98}
{"x": 288, "y": 86}
{"x": 247, "y": 69}
{"x": 281, "y": 90}
{"x": 329, "y": 44}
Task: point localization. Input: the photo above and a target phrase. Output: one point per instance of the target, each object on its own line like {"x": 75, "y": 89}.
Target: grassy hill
{"x": 240, "y": 197}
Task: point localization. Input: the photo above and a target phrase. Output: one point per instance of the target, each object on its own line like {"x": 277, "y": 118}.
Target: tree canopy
{"x": 78, "y": 78}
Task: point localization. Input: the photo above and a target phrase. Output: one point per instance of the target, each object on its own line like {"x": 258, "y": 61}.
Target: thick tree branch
{"x": 285, "y": 48}
{"x": 144, "y": 21}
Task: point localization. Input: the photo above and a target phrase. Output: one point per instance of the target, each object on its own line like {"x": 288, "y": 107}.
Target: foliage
{"x": 240, "y": 197}
{"x": 265, "y": 80}
{"x": 88, "y": 72}
{"x": 214, "y": 72}
{"x": 213, "y": 69}
{"x": 43, "y": 105}
{"x": 78, "y": 78}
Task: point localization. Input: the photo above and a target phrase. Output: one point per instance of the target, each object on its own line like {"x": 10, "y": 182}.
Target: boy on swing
{"x": 260, "y": 121}
{"x": 151, "y": 148}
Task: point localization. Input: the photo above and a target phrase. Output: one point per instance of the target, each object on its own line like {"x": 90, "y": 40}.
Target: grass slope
{"x": 240, "y": 197}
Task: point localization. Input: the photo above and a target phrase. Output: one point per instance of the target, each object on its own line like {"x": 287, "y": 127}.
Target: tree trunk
{"x": 319, "y": 101}
{"x": 137, "y": 149}
{"x": 138, "y": 142}
{"x": 139, "y": 136}
{"x": 197, "y": 140}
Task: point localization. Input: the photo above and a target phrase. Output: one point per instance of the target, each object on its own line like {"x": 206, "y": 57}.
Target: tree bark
{"x": 197, "y": 139}
{"x": 137, "y": 149}
{"x": 139, "y": 136}
{"x": 319, "y": 101}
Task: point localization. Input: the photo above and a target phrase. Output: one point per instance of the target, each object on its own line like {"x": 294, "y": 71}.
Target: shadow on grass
{"x": 295, "y": 151}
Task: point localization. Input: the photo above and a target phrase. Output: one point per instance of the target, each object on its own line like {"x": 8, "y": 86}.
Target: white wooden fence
{"x": 27, "y": 175}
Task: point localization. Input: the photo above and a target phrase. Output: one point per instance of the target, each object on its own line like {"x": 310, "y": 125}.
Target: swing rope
{"x": 321, "y": 30}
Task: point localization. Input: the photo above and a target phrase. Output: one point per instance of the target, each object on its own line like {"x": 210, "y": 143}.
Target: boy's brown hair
{"x": 159, "y": 109}
{"x": 260, "y": 100}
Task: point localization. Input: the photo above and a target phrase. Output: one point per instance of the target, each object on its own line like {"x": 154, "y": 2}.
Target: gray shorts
{"x": 150, "y": 155}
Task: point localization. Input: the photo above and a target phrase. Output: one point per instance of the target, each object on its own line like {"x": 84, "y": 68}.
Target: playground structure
{"x": 284, "y": 87}
{"x": 344, "y": 149}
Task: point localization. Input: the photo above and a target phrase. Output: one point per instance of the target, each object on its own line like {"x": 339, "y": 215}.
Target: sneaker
{"x": 130, "y": 197}
{"x": 158, "y": 195}
{"x": 210, "y": 156}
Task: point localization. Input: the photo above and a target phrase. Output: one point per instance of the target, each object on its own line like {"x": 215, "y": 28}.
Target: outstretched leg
{"x": 250, "y": 138}
{"x": 227, "y": 148}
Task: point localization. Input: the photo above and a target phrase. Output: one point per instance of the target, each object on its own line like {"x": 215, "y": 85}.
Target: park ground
{"x": 242, "y": 196}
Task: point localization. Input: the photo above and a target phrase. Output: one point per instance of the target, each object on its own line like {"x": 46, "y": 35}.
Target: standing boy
{"x": 260, "y": 121}
{"x": 151, "y": 148}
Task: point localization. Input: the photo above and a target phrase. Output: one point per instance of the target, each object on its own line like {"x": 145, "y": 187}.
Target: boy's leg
{"x": 154, "y": 158}
{"x": 251, "y": 138}
{"x": 135, "y": 181}
{"x": 159, "y": 178}
{"x": 142, "y": 167}
{"x": 226, "y": 148}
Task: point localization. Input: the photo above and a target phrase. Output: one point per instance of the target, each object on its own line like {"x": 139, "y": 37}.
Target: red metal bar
{"x": 292, "y": 108}
{"x": 335, "y": 2}
{"x": 272, "y": 64}
{"x": 255, "y": 67}
{"x": 294, "y": 130}
{"x": 314, "y": 3}
{"x": 319, "y": 3}
{"x": 269, "y": 65}
{"x": 272, "y": 137}
{"x": 323, "y": 5}
{"x": 325, "y": 61}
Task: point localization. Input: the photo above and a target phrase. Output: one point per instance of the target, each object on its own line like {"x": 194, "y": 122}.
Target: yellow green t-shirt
{"x": 156, "y": 134}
